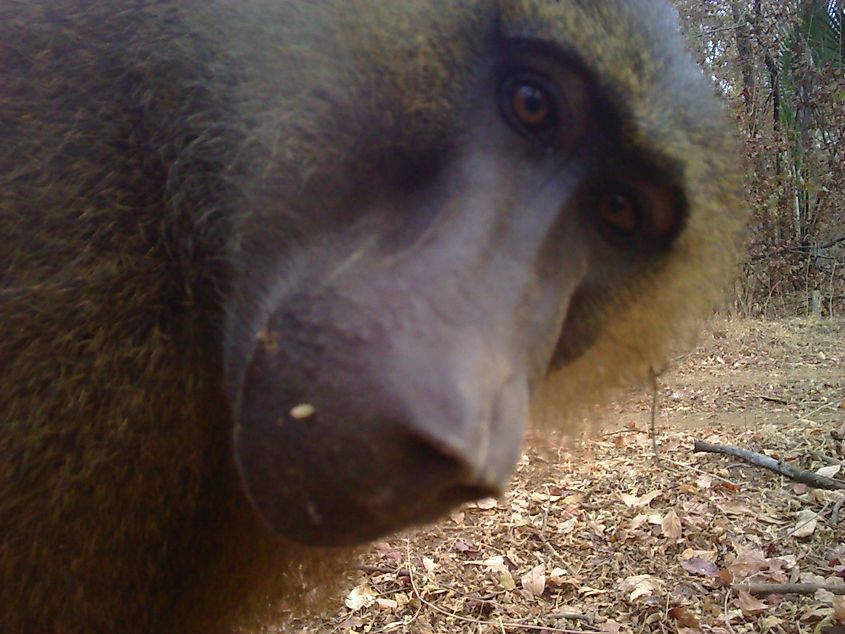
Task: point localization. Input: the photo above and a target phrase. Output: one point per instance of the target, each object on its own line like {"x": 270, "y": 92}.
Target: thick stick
{"x": 799, "y": 475}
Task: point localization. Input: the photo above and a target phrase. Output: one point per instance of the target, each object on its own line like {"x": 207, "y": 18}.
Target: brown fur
{"x": 130, "y": 139}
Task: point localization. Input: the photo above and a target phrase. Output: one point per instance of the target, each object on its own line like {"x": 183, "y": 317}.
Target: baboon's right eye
{"x": 531, "y": 108}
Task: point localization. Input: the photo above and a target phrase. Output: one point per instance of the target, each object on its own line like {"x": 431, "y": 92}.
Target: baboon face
{"x": 456, "y": 215}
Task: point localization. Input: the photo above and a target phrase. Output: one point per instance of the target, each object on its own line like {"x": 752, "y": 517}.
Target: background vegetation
{"x": 781, "y": 67}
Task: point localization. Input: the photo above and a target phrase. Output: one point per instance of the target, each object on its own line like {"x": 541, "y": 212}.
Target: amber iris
{"x": 531, "y": 106}
{"x": 619, "y": 212}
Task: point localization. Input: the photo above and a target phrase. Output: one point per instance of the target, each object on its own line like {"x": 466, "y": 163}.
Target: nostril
{"x": 445, "y": 476}
{"x": 456, "y": 477}
{"x": 438, "y": 459}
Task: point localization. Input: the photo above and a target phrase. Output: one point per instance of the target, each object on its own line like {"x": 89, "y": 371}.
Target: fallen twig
{"x": 771, "y": 399}
{"x": 794, "y": 473}
{"x": 653, "y": 376}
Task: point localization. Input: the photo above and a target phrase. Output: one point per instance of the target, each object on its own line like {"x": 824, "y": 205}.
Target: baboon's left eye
{"x": 619, "y": 212}
{"x": 637, "y": 213}
{"x": 531, "y": 108}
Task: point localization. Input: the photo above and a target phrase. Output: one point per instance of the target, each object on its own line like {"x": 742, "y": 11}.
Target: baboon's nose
{"x": 397, "y": 442}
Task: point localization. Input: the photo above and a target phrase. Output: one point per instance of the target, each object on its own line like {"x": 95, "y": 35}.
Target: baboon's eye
{"x": 619, "y": 212}
{"x": 643, "y": 213}
{"x": 531, "y": 108}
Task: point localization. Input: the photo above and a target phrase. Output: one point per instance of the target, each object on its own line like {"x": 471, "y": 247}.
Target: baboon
{"x": 278, "y": 278}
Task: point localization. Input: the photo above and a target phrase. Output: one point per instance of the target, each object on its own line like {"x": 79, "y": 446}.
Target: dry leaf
{"x": 728, "y": 486}
{"x": 734, "y": 508}
{"x": 506, "y": 580}
{"x": 642, "y": 500}
{"x": 700, "y": 567}
{"x": 574, "y": 499}
{"x": 704, "y": 482}
{"x": 361, "y": 596}
{"x": 749, "y": 605}
{"x": 784, "y": 562}
{"x": 518, "y": 520}
{"x": 805, "y": 524}
{"x": 748, "y": 562}
{"x": 684, "y": 617}
{"x": 464, "y": 546}
{"x": 629, "y": 500}
{"x": 487, "y": 503}
{"x": 534, "y": 581}
{"x": 558, "y": 577}
{"x": 829, "y": 471}
{"x": 671, "y": 525}
{"x": 458, "y": 517}
{"x": 637, "y": 522}
{"x": 640, "y": 586}
{"x": 495, "y": 564}
{"x": 567, "y": 526}
{"x": 386, "y": 604}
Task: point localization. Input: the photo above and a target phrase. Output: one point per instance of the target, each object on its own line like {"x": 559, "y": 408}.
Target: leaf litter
{"x": 594, "y": 536}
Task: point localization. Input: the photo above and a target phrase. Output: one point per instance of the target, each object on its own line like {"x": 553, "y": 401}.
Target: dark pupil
{"x": 532, "y": 100}
{"x": 618, "y": 205}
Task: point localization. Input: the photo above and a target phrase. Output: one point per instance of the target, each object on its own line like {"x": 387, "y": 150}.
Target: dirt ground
{"x": 595, "y": 536}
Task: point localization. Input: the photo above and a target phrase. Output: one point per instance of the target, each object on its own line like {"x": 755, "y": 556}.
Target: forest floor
{"x": 595, "y": 536}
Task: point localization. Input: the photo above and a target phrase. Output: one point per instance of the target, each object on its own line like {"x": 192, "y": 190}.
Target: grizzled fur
{"x": 156, "y": 157}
